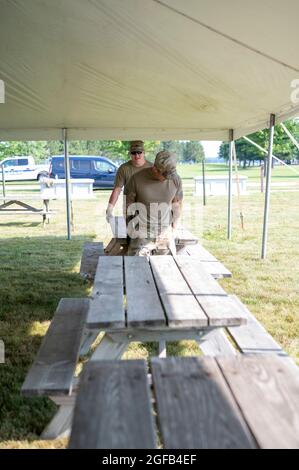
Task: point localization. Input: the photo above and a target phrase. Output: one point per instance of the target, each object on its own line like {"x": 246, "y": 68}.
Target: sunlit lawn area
{"x": 279, "y": 173}
{"x": 38, "y": 266}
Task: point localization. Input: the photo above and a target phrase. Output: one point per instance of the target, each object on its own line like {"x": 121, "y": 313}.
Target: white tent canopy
{"x": 150, "y": 69}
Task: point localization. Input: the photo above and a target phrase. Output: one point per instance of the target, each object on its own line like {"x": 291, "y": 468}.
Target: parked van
{"x": 101, "y": 169}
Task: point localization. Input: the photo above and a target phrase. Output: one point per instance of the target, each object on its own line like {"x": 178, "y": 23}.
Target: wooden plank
{"x": 118, "y": 227}
{"x": 201, "y": 252}
{"x": 143, "y": 303}
{"x": 252, "y": 338}
{"x": 211, "y": 264}
{"x": 267, "y": 391}
{"x": 90, "y": 258}
{"x": 117, "y": 247}
{"x": 214, "y": 268}
{"x": 23, "y": 211}
{"x": 25, "y": 197}
{"x": 107, "y": 305}
{"x": 220, "y": 309}
{"x": 195, "y": 407}
{"x": 110, "y": 245}
{"x": 54, "y": 366}
{"x": 179, "y": 303}
{"x": 113, "y": 409}
{"x": 184, "y": 237}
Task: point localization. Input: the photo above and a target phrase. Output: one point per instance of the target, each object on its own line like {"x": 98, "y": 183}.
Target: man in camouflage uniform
{"x": 153, "y": 197}
{"x": 125, "y": 171}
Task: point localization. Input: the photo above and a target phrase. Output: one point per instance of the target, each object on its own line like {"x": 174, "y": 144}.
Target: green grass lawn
{"x": 279, "y": 173}
{"x": 38, "y": 266}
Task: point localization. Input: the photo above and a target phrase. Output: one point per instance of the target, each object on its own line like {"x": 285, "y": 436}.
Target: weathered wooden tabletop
{"x": 201, "y": 403}
{"x": 165, "y": 291}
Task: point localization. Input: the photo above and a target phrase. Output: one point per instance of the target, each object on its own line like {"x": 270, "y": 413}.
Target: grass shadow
{"x": 21, "y": 224}
{"x": 35, "y": 273}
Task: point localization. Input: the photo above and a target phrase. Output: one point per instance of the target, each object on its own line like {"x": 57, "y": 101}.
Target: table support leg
{"x": 109, "y": 349}
{"x": 60, "y": 426}
{"x": 89, "y": 336}
{"x": 162, "y": 349}
{"x": 216, "y": 343}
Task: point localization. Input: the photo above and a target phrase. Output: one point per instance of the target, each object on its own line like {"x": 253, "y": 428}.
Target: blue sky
{"x": 211, "y": 148}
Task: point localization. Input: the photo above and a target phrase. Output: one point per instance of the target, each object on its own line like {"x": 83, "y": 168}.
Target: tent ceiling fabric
{"x": 150, "y": 69}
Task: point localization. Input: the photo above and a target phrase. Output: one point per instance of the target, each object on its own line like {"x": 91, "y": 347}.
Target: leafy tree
{"x": 283, "y": 147}
{"x": 17, "y": 148}
{"x": 193, "y": 151}
{"x": 116, "y": 150}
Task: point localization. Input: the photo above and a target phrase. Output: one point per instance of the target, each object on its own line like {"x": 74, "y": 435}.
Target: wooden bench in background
{"x": 8, "y": 206}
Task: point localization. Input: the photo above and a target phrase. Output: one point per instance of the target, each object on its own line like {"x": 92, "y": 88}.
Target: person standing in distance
{"x": 126, "y": 171}
{"x": 154, "y": 202}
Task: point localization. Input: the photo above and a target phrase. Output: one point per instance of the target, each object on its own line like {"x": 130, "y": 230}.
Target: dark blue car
{"x": 101, "y": 169}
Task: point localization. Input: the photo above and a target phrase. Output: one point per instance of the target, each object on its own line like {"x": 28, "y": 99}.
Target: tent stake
{"x": 67, "y": 184}
{"x": 230, "y": 185}
{"x": 268, "y": 183}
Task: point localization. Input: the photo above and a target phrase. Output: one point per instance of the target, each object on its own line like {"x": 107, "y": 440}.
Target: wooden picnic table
{"x": 10, "y": 201}
{"x": 201, "y": 403}
{"x": 165, "y": 298}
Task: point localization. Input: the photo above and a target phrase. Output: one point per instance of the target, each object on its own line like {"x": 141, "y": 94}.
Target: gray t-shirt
{"x": 154, "y": 199}
{"x": 126, "y": 171}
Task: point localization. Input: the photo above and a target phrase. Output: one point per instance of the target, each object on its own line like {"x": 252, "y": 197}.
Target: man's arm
{"x": 177, "y": 204}
{"x": 111, "y": 203}
{"x": 119, "y": 183}
{"x": 176, "y": 212}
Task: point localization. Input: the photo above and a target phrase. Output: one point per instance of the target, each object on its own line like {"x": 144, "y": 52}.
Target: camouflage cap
{"x": 136, "y": 146}
{"x": 165, "y": 162}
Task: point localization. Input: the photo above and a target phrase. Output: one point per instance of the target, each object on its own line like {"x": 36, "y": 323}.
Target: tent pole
{"x": 3, "y": 183}
{"x": 230, "y": 185}
{"x": 203, "y": 181}
{"x": 268, "y": 182}
{"x": 67, "y": 184}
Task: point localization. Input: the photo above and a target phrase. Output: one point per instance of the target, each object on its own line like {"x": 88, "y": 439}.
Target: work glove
{"x": 109, "y": 212}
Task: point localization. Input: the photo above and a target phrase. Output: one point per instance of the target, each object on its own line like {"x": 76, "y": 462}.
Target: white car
{"x": 22, "y": 168}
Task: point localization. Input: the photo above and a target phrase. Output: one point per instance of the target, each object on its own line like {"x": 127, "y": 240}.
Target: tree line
{"x": 186, "y": 151}
{"x": 283, "y": 148}
{"x": 115, "y": 150}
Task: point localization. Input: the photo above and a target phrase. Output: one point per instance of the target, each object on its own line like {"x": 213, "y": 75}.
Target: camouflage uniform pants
{"x": 151, "y": 246}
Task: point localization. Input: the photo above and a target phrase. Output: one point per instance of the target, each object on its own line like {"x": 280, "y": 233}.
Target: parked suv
{"x": 101, "y": 169}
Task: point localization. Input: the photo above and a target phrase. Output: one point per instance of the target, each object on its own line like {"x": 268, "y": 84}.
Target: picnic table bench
{"x": 243, "y": 402}
{"x": 11, "y": 200}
